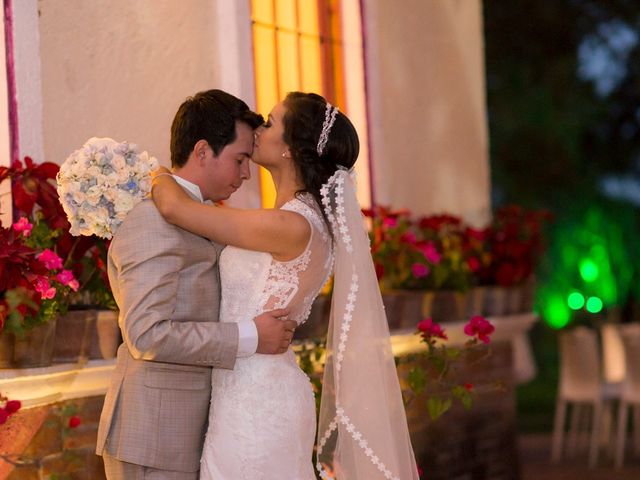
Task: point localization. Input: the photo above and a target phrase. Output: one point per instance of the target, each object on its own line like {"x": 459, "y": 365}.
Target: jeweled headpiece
{"x": 329, "y": 117}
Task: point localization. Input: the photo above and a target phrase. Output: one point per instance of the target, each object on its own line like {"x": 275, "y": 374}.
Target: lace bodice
{"x": 254, "y": 282}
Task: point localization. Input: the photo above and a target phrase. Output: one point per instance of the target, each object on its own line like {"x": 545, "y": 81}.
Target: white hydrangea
{"x": 101, "y": 182}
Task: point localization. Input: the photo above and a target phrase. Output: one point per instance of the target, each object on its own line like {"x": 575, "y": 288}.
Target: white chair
{"x": 581, "y": 385}
{"x": 630, "y": 393}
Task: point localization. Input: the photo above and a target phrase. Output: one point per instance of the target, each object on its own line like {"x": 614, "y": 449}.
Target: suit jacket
{"x": 165, "y": 281}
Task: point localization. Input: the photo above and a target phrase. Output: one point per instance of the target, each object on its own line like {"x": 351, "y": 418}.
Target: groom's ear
{"x": 200, "y": 151}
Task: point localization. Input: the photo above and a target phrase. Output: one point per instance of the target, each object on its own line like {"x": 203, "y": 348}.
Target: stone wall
{"x": 41, "y": 442}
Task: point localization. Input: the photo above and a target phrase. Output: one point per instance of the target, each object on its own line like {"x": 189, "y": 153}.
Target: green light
{"x": 589, "y": 270}
{"x": 594, "y": 305}
{"x": 556, "y": 312}
{"x": 575, "y": 301}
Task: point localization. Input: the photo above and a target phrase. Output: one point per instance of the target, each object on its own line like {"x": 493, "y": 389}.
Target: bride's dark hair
{"x": 303, "y": 119}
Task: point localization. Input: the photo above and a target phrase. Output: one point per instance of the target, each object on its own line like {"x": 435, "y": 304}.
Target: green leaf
{"x": 464, "y": 395}
{"x": 417, "y": 380}
{"x": 437, "y": 407}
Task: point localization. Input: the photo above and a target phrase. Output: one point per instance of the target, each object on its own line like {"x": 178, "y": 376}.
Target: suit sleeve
{"x": 148, "y": 255}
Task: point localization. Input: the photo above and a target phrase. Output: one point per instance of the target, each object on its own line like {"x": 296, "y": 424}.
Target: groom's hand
{"x": 275, "y": 331}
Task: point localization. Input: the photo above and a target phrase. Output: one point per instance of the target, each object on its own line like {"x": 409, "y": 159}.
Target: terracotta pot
{"x": 107, "y": 337}
{"x": 444, "y": 305}
{"x": 73, "y": 336}
{"x": 474, "y": 302}
{"x": 35, "y": 349}
{"x": 405, "y": 308}
{"x": 82, "y": 335}
{"x": 495, "y": 301}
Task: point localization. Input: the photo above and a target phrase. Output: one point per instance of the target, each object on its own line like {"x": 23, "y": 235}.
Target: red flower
{"x": 473, "y": 263}
{"x": 379, "y": 270}
{"x": 12, "y": 406}
{"x": 468, "y": 386}
{"x": 479, "y": 326}
{"x": 74, "y": 421}
{"x": 430, "y": 329}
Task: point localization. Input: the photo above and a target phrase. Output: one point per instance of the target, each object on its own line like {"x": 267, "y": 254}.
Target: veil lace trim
{"x": 384, "y": 450}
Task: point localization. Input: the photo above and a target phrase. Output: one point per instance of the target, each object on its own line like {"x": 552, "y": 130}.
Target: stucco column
{"x": 427, "y": 112}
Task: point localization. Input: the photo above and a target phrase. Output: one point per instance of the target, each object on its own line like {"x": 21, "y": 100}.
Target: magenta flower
{"x": 431, "y": 253}
{"x": 66, "y": 278}
{"x": 420, "y": 270}
{"x": 479, "y": 326}
{"x": 430, "y": 329}
{"x": 409, "y": 237}
{"x": 44, "y": 288}
{"x": 23, "y": 226}
{"x": 390, "y": 222}
{"x": 50, "y": 259}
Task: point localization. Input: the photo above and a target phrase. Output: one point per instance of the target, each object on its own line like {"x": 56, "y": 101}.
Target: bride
{"x": 262, "y": 419}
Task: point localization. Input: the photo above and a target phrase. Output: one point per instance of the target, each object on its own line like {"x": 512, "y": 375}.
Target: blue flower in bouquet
{"x": 101, "y": 182}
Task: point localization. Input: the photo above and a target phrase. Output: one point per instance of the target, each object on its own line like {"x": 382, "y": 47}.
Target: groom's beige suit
{"x": 165, "y": 281}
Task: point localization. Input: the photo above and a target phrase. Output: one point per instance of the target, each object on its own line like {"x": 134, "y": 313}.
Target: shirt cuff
{"x": 247, "y": 338}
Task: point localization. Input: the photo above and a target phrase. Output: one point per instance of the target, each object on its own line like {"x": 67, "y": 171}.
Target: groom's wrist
{"x": 247, "y": 338}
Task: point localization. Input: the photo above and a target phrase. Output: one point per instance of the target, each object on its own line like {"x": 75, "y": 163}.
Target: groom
{"x": 165, "y": 281}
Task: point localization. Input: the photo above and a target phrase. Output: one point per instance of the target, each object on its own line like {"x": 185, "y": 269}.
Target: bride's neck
{"x": 287, "y": 184}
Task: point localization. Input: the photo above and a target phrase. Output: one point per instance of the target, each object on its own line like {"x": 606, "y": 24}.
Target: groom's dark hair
{"x": 210, "y": 116}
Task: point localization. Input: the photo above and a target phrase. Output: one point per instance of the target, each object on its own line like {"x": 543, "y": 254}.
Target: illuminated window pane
{"x": 297, "y": 46}
{"x": 310, "y": 65}
{"x": 288, "y": 64}
{"x": 286, "y": 17}
{"x": 265, "y": 65}
{"x": 262, "y": 11}
{"x": 308, "y": 19}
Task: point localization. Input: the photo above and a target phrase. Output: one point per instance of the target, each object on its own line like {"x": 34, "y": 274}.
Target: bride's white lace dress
{"x": 262, "y": 421}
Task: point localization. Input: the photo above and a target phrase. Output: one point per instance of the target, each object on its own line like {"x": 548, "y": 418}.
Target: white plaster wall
{"x": 121, "y": 68}
{"x": 427, "y": 112}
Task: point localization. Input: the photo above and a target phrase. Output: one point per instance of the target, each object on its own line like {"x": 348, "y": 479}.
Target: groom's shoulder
{"x": 142, "y": 215}
{"x": 143, "y": 218}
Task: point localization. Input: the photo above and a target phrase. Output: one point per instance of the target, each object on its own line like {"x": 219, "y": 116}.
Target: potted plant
{"x": 43, "y": 225}
{"x": 426, "y": 267}
{"x": 516, "y": 242}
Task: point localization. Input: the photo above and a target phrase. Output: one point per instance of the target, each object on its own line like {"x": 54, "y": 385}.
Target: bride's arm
{"x": 282, "y": 233}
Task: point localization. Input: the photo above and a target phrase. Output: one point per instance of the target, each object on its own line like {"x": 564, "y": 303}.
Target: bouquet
{"x": 101, "y": 182}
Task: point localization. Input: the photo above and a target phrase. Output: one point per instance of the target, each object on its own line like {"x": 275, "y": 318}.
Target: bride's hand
{"x": 165, "y": 192}
{"x": 159, "y": 172}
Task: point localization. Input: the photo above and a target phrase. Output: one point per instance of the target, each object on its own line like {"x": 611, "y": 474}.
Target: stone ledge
{"x": 41, "y": 386}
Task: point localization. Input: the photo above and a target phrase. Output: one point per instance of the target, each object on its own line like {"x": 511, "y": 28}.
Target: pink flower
{"x": 431, "y": 253}
{"x": 44, "y": 288}
{"x": 420, "y": 270}
{"x": 430, "y": 329}
{"x": 390, "y": 222}
{"x": 23, "y": 226}
{"x": 50, "y": 259}
{"x": 66, "y": 277}
{"x": 479, "y": 326}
